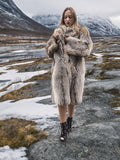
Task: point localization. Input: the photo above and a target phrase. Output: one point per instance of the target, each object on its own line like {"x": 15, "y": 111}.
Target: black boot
{"x": 69, "y": 124}
{"x": 63, "y": 136}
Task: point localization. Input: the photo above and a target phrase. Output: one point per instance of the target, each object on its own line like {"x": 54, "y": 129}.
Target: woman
{"x": 68, "y": 46}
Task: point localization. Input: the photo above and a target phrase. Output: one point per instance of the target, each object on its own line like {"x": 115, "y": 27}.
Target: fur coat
{"x": 68, "y": 67}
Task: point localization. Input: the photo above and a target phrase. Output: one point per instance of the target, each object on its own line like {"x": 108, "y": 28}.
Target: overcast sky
{"x": 109, "y": 8}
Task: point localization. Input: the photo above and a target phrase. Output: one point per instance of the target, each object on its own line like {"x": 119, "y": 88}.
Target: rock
{"x": 95, "y": 131}
{"x": 93, "y": 136}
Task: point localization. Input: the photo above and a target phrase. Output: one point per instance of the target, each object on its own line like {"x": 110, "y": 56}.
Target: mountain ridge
{"x": 97, "y": 25}
{"x": 13, "y": 19}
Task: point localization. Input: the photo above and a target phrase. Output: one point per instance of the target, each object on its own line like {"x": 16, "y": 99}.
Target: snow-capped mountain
{"x": 12, "y": 18}
{"x": 98, "y": 26}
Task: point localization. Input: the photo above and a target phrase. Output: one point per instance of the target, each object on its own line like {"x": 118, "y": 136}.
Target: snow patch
{"x": 15, "y": 86}
{"x": 117, "y": 109}
{"x": 19, "y": 51}
{"x": 6, "y": 153}
{"x": 17, "y": 64}
{"x": 29, "y": 109}
{"x": 13, "y": 75}
{"x": 117, "y": 58}
{"x": 98, "y": 55}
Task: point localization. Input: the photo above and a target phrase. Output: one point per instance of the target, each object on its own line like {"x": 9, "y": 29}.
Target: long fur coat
{"x": 68, "y": 67}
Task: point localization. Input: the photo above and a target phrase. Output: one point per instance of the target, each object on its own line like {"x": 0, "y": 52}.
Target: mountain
{"x": 98, "y": 26}
{"x": 13, "y": 20}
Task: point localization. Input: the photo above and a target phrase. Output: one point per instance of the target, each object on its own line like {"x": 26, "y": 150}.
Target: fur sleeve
{"x": 79, "y": 47}
{"x": 51, "y": 47}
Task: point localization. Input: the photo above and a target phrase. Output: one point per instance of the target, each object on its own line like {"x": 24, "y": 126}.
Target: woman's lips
{"x": 68, "y": 22}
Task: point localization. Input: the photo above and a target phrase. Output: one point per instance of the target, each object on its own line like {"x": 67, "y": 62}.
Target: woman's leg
{"x": 71, "y": 109}
{"x": 62, "y": 113}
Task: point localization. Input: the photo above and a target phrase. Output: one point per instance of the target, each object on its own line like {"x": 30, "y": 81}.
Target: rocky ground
{"x": 95, "y": 133}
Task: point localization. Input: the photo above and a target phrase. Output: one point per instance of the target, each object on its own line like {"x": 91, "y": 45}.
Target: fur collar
{"x": 69, "y": 31}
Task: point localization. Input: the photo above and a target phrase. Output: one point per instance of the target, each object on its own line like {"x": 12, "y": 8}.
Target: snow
{"x": 98, "y": 55}
{"x": 97, "y": 25}
{"x": 6, "y": 153}
{"x": 91, "y": 79}
{"x": 15, "y": 87}
{"x": 25, "y": 108}
{"x": 117, "y": 109}
{"x": 28, "y": 109}
{"x": 18, "y": 51}
{"x": 13, "y": 75}
{"x": 17, "y": 64}
{"x": 117, "y": 58}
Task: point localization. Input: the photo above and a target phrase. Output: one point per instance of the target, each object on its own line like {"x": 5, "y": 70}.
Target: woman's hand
{"x": 56, "y": 33}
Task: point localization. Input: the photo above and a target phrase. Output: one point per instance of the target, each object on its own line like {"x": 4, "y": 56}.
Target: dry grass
{"x": 91, "y": 58}
{"x": 14, "y": 61}
{"x": 110, "y": 65}
{"x": 38, "y": 77}
{"x": 109, "y": 62}
{"x": 1, "y": 73}
{"x": 5, "y": 88}
{"x": 117, "y": 111}
{"x": 113, "y": 91}
{"x": 22, "y": 93}
{"x": 8, "y": 40}
{"x": 115, "y": 102}
{"x": 19, "y": 132}
{"x": 24, "y": 67}
{"x": 102, "y": 76}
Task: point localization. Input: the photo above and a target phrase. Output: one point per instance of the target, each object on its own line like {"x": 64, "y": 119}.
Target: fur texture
{"x": 68, "y": 68}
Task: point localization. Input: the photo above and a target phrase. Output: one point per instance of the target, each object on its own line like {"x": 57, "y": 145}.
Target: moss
{"x": 24, "y": 92}
{"x": 19, "y": 132}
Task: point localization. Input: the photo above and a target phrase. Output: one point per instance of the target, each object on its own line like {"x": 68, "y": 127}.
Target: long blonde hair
{"x": 75, "y": 23}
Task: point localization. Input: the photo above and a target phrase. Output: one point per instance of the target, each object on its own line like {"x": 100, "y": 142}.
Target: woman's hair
{"x": 75, "y": 23}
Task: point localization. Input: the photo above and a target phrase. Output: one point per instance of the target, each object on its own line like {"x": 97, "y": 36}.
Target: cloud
{"x": 116, "y": 20}
{"x": 101, "y": 7}
{"x": 110, "y": 8}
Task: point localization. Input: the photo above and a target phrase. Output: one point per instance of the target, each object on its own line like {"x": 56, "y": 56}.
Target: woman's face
{"x": 68, "y": 18}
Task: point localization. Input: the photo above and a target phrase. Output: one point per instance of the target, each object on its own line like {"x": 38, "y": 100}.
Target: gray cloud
{"x": 99, "y": 7}
{"x": 110, "y": 8}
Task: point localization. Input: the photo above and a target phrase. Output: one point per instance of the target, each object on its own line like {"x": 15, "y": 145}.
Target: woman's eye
{"x": 70, "y": 17}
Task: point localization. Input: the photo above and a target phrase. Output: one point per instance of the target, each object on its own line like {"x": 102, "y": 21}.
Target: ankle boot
{"x": 69, "y": 124}
{"x": 63, "y": 136}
